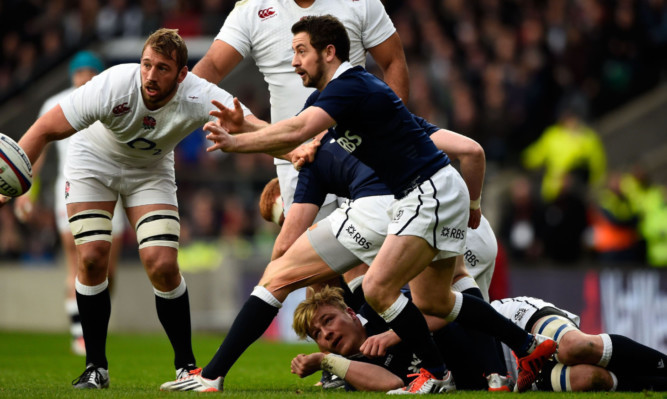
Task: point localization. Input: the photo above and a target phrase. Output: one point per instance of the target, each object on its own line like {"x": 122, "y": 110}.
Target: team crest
{"x": 149, "y": 122}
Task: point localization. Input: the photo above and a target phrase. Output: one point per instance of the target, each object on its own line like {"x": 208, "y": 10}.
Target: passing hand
{"x": 230, "y": 119}
{"x": 220, "y": 137}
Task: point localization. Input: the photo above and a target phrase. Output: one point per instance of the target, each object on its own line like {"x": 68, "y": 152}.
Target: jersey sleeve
{"x": 428, "y": 127}
{"x": 377, "y": 25}
{"x": 85, "y": 105}
{"x": 235, "y": 29}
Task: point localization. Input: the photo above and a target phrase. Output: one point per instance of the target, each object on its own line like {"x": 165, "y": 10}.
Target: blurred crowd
{"x": 523, "y": 77}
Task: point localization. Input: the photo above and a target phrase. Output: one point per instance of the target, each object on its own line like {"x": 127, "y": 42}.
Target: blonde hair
{"x": 305, "y": 311}
{"x": 167, "y": 42}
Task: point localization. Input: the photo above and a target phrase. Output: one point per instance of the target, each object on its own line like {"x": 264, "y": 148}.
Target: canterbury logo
{"x": 120, "y": 109}
{"x": 265, "y": 13}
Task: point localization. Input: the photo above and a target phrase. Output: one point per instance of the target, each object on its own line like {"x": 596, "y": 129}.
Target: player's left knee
{"x": 159, "y": 228}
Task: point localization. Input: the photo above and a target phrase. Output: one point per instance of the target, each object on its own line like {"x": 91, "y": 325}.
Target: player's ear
{"x": 182, "y": 74}
{"x": 330, "y": 53}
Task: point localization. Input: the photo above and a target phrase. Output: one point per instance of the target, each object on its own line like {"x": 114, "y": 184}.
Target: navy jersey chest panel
{"x": 375, "y": 126}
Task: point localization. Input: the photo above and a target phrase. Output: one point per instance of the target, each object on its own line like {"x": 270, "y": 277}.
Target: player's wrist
{"x": 335, "y": 364}
{"x": 476, "y": 204}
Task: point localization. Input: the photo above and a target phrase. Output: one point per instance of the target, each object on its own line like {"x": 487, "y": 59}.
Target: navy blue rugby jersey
{"x": 337, "y": 172}
{"x": 374, "y": 125}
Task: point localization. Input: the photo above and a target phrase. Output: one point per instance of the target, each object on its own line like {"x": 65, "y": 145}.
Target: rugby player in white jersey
{"x": 584, "y": 362}
{"x": 145, "y": 109}
{"x": 83, "y": 67}
{"x": 261, "y": 29}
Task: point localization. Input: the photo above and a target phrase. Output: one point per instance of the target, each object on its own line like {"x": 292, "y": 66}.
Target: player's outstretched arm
{"x": 49, "y": 127}
{"x": 279, "y": 138}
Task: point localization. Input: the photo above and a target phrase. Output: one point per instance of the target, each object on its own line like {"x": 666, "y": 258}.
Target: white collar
{"x": 341, "y": 68}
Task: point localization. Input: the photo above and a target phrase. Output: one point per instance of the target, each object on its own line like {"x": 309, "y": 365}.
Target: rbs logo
{"x": 349, "y": 142}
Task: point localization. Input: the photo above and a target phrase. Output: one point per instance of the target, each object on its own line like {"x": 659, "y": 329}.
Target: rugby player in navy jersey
{"x": 430, "y": 213}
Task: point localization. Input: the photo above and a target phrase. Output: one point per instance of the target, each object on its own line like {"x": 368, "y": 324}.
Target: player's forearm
{"x": 370, "y": 377}
{"x": 472, "y": 170}
{"x": 276, "y": 139}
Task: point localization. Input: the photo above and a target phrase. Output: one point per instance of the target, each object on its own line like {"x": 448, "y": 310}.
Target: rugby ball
{"x": 15, "y": 168}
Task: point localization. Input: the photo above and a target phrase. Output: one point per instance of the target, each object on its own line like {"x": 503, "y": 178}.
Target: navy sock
{"x": 174, "y": 315}
{"x": 411, "y": 326}
{"x": 631, "y": 357}
{"x": 251, "y": 322}
{"x": 95, "y": 311}
{"x": 485, "y": 345}
{"x": 354, "y": 299}
{"x": 477, "y": 314}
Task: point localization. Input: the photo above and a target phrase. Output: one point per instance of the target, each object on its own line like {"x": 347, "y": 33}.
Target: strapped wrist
{"x": 476, "y": 204}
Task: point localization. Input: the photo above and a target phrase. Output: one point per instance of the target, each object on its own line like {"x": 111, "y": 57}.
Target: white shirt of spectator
{"x": 129, "y": 132}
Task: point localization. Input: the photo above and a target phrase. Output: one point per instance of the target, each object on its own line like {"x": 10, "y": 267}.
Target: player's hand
{"x": 305, "y": 153}
{"x": 230, "y": 120}
{"x": 475, "y": 218}
{"x": 23, "y": 208}
{"x": 377, "y": 345}
{"x": 220, "y": 137}
{"x": 4, "y": 199}
{"x": 305, "y": 365}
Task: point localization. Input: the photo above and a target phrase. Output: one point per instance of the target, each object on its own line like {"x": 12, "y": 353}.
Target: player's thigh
{"x": 399, "y": 260}
{"x": 431, "y": 289}
{"x": 299, "y": 267}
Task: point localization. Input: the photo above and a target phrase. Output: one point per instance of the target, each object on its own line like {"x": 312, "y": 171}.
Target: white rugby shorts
{"x": 480, "y": 255}
{"x": 90, "y": 178}
{"x": 436, "y": 210}
{"x": 288, "y": 177}
{"x": 119, "y": 221}
{"x": 361, "y": 225}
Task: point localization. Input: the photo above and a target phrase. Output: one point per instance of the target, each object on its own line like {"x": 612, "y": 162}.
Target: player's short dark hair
{"x": 325, "y": 30}
{"x": 170, "y": 44}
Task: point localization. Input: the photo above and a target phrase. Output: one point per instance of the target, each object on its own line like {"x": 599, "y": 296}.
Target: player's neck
{"x": 304, "y": 3}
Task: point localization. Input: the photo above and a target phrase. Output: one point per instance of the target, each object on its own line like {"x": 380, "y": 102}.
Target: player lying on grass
{"x": 585, "y": 362}
{"x": 605, "y": 362}
{"x": 333, "y": 246}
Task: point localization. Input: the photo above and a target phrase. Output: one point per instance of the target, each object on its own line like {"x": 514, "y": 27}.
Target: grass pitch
{"x": 38, "y": 365}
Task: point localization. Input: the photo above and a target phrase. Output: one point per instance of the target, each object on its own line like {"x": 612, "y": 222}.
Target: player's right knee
{"x": 91, "y": 225}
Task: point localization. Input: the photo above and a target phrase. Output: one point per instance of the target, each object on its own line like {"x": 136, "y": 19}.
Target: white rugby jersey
{"x": 129, "y": 132}
{"x": 262, "y": 29}
{"x": 520, "y": 309}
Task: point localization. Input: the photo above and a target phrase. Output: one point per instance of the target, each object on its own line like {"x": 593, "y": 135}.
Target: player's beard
{"x": 315, "y": 80}
{"x": 158, "y": 100}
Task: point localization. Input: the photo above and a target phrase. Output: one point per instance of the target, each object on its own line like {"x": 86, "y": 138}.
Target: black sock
{"x": 631, "y": 357}
{"x": 251, "y": 322}
{"x": 174, "y": 315}
{"x": 411, "y": 327}
{"x": 485, "y": 346}
{"x": 354, "y": 299}
{"x": 477, "y": 314}
{"x": 95, "y": 311}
